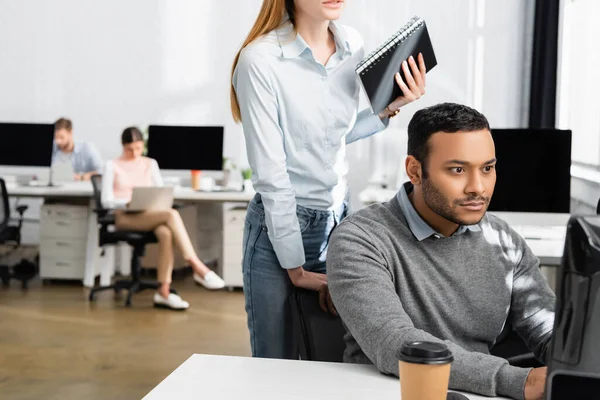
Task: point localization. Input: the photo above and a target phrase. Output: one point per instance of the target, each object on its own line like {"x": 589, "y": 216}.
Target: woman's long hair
{"x": 269, "y": 18}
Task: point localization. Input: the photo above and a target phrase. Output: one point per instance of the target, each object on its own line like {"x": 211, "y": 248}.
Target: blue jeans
{"x": 267, "y": 286}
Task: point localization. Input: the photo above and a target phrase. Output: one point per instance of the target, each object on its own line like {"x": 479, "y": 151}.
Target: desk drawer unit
{"x": 63, "y": 248}
{"x": 209, "y": 228}
{"x": 63, "y": 211}
{"x": 233, "y": 233}
{"x": 63, "y": 238}
{"x": 59, "y": 228}
{"x": 55, "y": 268}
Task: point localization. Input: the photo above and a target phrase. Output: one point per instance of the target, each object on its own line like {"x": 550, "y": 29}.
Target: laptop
{"x": 62, "y": 172}
{"x": 151, "y": 198}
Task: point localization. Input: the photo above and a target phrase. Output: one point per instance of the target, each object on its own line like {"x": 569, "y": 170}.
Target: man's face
{"x": 460, "y": 175}
{"x": 63, "y": 139}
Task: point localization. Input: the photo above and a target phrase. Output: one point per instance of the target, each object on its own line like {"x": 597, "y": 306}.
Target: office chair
{"x": 108, "y": 235}
{"x": 511, "y": 347}
{"x": 319, "y": 335}
{"x": 10, "y": 235}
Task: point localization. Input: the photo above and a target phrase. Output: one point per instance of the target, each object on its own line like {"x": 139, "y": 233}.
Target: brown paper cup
{"x": 424, "y": 381}
{"x": 424, "y": 370}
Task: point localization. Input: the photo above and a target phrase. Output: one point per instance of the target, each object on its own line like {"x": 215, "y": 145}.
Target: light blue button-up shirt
{"x": 84, "y": 158}
{"x": 421, "y": 229}
{"x": 298, "y": 115}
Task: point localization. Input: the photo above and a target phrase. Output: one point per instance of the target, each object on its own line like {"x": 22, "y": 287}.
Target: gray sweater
{"x": 390, "y": 288}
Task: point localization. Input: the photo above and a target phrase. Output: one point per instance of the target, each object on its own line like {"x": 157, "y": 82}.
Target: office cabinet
{"x": 233, "y": 232}
{"x": 220, "y": 235}
{"x": 209, "y": 225}
{"x": 63, "y": 238}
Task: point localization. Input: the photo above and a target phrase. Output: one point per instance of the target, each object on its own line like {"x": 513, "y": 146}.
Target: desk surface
{"x": 220, "y": 377}
{"x": 84, "y": 190}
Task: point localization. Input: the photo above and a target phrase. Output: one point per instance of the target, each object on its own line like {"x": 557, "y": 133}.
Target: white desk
{"x": 544, "y": 232}
{"x": 220, "y": 377}
{"x": 83, "y": 190}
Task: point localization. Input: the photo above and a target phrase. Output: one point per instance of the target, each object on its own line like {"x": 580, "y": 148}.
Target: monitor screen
{"x": 26, "y": 145}
{"x": 533, "y": 170}
{"x": 186, "y": 147}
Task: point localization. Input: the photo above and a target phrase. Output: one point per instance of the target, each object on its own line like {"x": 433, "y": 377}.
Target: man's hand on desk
{"x": 535, "y": 384}
{"x": 85, "y": 177}
{"x": 313, "y": 281}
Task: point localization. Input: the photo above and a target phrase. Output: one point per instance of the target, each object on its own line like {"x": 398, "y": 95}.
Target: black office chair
{"x": 510, "y": 346}
{"x": 108, "y": 235}
{"x": 319, "y": 335}
{"x": 10, "y": 234}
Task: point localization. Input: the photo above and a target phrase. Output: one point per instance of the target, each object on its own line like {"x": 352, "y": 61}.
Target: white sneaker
{"x": 210, "y": 281}
{"x": 172, "y": 302}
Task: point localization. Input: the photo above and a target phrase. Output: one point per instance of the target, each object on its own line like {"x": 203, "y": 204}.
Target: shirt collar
{"x": 421, "y": 229}
{"x": 341, "y": 37}
{"x": 292, "y": 44}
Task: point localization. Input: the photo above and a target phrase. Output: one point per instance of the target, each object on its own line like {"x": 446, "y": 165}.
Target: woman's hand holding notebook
{"x": 386, "y": 75}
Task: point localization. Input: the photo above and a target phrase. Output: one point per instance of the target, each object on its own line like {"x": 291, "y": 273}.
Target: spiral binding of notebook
{"x": 411, "y": 26}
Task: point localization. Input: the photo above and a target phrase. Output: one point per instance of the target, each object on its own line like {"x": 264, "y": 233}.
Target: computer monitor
{"x": 574, "y": 359}
{"x": 186, "y": 147}
{"x": 26, "y": 145}
{"x": 533, "y": 170}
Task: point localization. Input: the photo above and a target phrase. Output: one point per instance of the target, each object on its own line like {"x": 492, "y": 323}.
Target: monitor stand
{"x": 50, "y": 181}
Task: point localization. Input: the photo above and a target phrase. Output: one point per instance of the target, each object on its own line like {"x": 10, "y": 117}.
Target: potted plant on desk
{"x": 247, "y": 176}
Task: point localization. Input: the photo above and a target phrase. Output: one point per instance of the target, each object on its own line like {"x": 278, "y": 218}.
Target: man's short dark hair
{"x": 63, "y": 123}
{"x": 444, "y": 117}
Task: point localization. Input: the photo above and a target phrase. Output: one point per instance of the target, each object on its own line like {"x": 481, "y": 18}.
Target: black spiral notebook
{"x": 376, "y": 72}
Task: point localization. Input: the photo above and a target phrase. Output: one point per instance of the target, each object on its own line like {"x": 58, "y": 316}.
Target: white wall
{"x": 483, "y": 53}
{"x": 113, "y": 63}
{"x": 577, "y": 98}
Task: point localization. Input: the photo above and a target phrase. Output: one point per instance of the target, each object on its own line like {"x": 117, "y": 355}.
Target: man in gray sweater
{"x": 431, "y": 265}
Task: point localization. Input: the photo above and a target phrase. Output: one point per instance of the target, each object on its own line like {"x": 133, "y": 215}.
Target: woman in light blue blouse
{"x": 295, "y": 91}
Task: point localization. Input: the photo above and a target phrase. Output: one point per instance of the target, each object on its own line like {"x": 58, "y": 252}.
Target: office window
{"x": 578, "y": 105}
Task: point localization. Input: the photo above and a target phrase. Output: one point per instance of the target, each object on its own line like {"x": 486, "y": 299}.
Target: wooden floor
{"x": 56, "y": 345}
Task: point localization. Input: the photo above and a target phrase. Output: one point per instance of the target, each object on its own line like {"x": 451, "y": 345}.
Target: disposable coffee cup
{"x": 207, "y": 184}
{"x": 424, "y": 369}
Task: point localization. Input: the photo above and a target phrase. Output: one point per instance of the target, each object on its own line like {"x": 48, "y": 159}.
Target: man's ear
{"x": 414, "y": 170}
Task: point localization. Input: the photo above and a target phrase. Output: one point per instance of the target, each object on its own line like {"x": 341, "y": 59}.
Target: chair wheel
{"x": 91, "y": 297}
{"x": 173, "y": 291}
